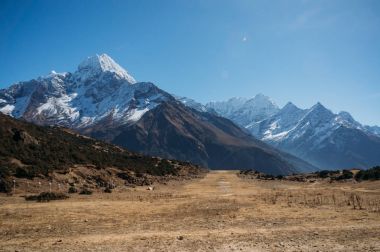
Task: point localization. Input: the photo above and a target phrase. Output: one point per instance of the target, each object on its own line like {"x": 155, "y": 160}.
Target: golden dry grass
{"x": 220, "y": 212}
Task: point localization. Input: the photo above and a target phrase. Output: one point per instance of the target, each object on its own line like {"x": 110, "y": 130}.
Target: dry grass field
{"x": 220, "y": 212}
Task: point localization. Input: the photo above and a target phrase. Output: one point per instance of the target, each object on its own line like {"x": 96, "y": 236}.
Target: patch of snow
{"x": 136, "y": 114}
{"x": 7, "y": 109}
{"x": 269, "y": 137}
{"x": 60, "y": 106}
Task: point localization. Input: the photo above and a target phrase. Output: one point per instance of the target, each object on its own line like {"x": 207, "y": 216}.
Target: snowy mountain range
{"x": 99, "y": 89}
{"x": 245, "y": 111}
{"x": 317, "y": 135}
{"x": 102, "y": 100}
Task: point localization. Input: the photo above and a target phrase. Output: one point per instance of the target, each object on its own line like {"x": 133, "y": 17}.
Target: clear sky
{"x": 302, "y": 51}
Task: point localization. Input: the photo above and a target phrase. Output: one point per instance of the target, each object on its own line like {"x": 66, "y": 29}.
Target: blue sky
{"x": 302, "y": 51}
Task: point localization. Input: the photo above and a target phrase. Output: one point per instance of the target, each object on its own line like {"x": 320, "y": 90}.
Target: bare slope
{"x": 174, "y": 131}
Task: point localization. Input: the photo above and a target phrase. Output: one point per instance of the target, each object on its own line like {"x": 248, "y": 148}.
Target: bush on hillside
{"x": 72, "y": 189}
{"x": 108, "y": 190}
{"x": 326, "y": 173}
{"x": 85, "y": 191}
{"x": 370, "y": 174}
{"x": 346, "y": 174}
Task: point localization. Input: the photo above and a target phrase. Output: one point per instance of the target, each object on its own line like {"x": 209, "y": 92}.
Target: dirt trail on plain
{"x": 220, "y": 212}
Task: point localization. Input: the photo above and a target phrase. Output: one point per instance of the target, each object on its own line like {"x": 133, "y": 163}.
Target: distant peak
{"x": 238, "y": 99}
{"x": 319, "y": 108}
{"x": 318, "y": 105}
{"x": 346, "y": 116}
{"x": 290, "y": 105}
{"x": 103, "y": 63}
{"x": 262, "y": 100}
{"x": 260, "y": 95}
{"x": 344, "y": 113}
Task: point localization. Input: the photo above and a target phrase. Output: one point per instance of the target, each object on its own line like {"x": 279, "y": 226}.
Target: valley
{"x": 219, "y": 212}
{"x": 189, "y": 126}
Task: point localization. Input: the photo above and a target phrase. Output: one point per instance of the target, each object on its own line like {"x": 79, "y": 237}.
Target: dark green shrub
{"x": 72, "y": 189}
{"x": 5, "y": 185}
{"x": 47, "y": 196}
{"x": 85, "y": 191}
{"x": 346, "y": 174}
{"x": 25, "y": 172}
{"x": 323, "y": 174}
{"x": 266, "y": 176}
{"x": 370, "y": 174}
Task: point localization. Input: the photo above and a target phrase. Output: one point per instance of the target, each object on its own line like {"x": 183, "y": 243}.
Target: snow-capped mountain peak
{"x": 53, "y": 74}
{"x": 346, "y": 119}
{"x": 96, "y": 65}
{"x": 245, "y": 111}
{"x": 238, "y": 100}
{"x": 99, "y": 90}
{"x": 346, "y": 116}
{"x": 262, "y": 100}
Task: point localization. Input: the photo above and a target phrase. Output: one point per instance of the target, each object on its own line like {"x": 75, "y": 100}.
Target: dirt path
{"x": 215, "y": 184}
{"x": 220, "y": 212}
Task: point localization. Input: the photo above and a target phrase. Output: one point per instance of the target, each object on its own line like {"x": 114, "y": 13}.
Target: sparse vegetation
{"x": 326, "y": 173}
{"x": 219, "y": 211}
{"x": 55, "y": 149}
{"x": 337, "y": 175}
{"x": 28, "y": 151}
{"x": 318, "y": 198}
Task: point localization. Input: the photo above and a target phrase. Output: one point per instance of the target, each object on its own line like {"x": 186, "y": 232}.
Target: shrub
{"x": 323, "y": 174}
{"x": 266, "y": 177}
{"x": 326, "y": 173}
{"x": 108, "y": 190}
{"x": 5, "y": 185}
{"x": 22, "y": 172}
{"x": 85, "y": 191}
{"x": 47, "y": 196}
{"x": 72, "y": 189}
{"x": 346, "y": 174}
{"x": 370, "y": 174}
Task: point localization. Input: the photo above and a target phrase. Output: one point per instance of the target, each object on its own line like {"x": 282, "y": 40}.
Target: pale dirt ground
{"x": 220, "y": 212}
